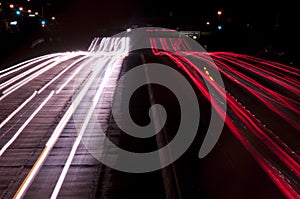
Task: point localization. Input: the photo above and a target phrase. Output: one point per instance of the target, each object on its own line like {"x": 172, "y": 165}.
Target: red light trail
{"x": 274, "y": 85}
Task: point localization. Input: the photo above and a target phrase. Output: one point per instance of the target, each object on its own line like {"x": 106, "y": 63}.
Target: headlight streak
{"x": 92, "y": 59}
{"x": 3, "y": 149}
{"x": 279, "y": 74}
{"x": 62, "y": 72}
{"x": 52, "y": 57}
{"x": 93, "y": 44}
{"x": 27, "y": 63}
{"x": 52, "y": 140}
{"x": 24, "y": 81}
{"x": 77, "y": 141}
{"x": 65, "y": 119}
{"x": 278, "y": 147}
{"x": 17, "y": 110}
{"x": 27, "y": 72}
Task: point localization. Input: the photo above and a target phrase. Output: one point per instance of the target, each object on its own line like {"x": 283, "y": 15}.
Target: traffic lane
{"x": 226, "y": 170}
{"x": 27, "y": 147}
{"x": 18, "y": 95}
{"x": 272, "y": 107}
{"x": 82, "y": 102}
{"x": 36, "y": 139}
{"x": 113, "y": 183}
{"x": 59, "y": 154}
{"x": 24, "y": 67}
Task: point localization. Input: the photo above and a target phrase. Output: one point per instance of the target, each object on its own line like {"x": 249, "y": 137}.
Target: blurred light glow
{"x": 13, "y": 23}
{"x": 219, "y": 12}
{"x": 11, "y": 5}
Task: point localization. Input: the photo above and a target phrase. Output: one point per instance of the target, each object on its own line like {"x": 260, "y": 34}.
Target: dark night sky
{"x": 89, "y": 14}
{"x": 113, "y": 11}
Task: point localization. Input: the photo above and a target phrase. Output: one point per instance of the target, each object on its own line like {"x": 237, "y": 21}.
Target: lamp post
{"x": 219, "y": 19}
{"x": 219, "y": 15}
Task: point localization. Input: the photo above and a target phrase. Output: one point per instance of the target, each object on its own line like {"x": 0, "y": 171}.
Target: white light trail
{"x": 27, "y": 63}
{"x": 54, "y": 137}
{"x": 27, "y": 72}
{"x": 31, "y": 175}
{"x": 93, "y": 44}
{"x": 61, "y": 73}
{"x": 57, "y": 132}
{"x": 73, "y": 75}
{"x": 96, "y": 98}
{"x": 34, "y": 75}
{"x": 4, "y": 148}
{"x": 17, "y": 110}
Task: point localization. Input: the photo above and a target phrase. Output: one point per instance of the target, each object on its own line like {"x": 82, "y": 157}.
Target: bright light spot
{"x": 194, "y": 37}
{"x": 29, "y": 11}
{"x": 36, "y": 13}
{"x": 53, "y": 18}
{"x": 43, "y": 22}
{"x": 43, "y": 25}
{"x": 18, "y": 12}
{"x": 21, "y": 8}
{"x": 13, "y": 23}
{"x": 128, "y": 29}
{"x": 11, "y": 6}
{"x": 208, "y": 23}
{"x": 219, "y": 27}
{"x": 31, "y": 15}
{"x": 219, "y": 12}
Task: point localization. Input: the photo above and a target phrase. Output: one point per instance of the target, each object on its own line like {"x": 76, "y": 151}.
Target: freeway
{"x": 51, "y": 106}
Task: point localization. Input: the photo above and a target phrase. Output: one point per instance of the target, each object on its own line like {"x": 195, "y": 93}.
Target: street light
{"x": 11, "y": 5}
{"x": 219, "y": 15}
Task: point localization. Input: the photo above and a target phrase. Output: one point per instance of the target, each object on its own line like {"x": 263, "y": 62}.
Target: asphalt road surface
{"x": 52, "y": 106}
